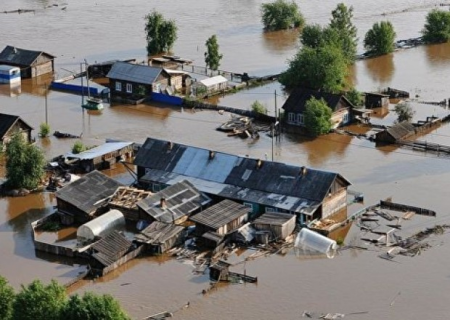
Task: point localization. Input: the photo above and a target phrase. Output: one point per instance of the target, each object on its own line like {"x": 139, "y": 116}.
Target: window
{"x": 291, "y": 117}
{"x": 271, "y": 210}
{"x": 345, "y": 118}
{"x": 118, "y": 86}
{"x": 129, "y": 88}
{"x": 248, "y": 205}
{"x": 300, "y": 118}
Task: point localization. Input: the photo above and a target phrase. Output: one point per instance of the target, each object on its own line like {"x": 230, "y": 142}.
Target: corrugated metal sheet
{"x": 109, "y": 249}
{"x": 137, "y": 73}
{"x": 220, "y": 214}
{"x": 158, "y": 233}
{"x": 98, "y": 151}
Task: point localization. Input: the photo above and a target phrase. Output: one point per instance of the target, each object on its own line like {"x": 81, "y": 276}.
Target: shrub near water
{"x": 44, "y": 130}
{"x": 78, "y": 147}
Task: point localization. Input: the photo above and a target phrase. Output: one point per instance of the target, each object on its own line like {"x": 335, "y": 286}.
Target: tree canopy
{"x": 323, "y": 68}
{"x": 6, "y": 299}
{"x": 437, "y": 27}
{"x": 315, "y": 36}
{"x": 281, "y": 15}
{"x": 212, "y": 55}
{"x": 404, "y": 112}
{"x": 380, "y": 39}
{"x": 24, "y": 163}
{"x": 341, "y": 22}
{"x": 317, "y": 117}
{"x": 355, "y": 97}
{"x": 160, "y": 33}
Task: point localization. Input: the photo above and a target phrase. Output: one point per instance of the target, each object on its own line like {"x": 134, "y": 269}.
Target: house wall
{"x": 236, "y": 223}
{"x": 18, "y": 127}
{"x": 79, "y": 215}
{"x": 176, "y": 81}
{"x": 334, "y": 202}
{"x": 340, "y": 117}
{"x": 135, "y": 89}
{"x": 373, "y": 101}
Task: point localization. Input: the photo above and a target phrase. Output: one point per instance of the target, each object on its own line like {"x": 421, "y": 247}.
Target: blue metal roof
{"x": 131, "y": 72}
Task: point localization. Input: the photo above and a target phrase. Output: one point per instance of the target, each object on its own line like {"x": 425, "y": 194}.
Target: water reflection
{"x": 438, "y": 54}
{"x": 280, "y": 41}
{"x": 381, "y": 69}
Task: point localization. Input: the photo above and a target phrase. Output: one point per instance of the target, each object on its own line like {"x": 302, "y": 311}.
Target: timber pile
{"x": 242, "y": 127}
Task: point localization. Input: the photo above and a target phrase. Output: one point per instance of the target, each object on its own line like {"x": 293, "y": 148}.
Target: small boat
{"x": 93, "y": 104}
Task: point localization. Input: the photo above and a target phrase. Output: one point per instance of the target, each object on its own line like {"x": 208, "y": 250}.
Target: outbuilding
{"x": 31, "y": 63}
{"x": 278, "y": 225}
{"x": 160, "y": 237}
{"x": 10, "y": 75}
{"x": 11, "y": 125}
{"x": 210, "y": 85}
{"x": 100, "y": 226}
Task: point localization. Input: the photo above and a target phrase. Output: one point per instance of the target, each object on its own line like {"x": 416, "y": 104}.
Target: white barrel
{"x": 315, "y": 241}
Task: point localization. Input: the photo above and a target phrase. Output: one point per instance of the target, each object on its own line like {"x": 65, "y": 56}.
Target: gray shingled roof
{"x": 274, "y": 219}
{"x": 111, "y": 248}
{"x": 21, "y": 57}
{"x": 158, "y": 233}
{"x": 220, "y": 214}
{"x": 89, "y": 192}
{"x": 137, "y": 73}
{"x": 401, "y": 130}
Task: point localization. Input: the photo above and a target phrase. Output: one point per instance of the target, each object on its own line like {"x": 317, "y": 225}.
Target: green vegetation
{"x": 212, "y": 55}
{"x": 160, "y": 33}
{"x": 341, "y": 22}
{"x": 44, "y": 130}
{"x": 437, "y": 27}
{"x": 51, "y": 226}
{"x": 380, "y": 39}
{"x": 78, "y": 147}
{"x": 50, "y": 302}
{"x": 281, "y": 15}
{"x": 317, "y": 117}
{"x": 258, "y": 107}
{"x": 24, "y": 164}
{"x": 355, "y": 97}
{"x": 404, "y": 112}
{"x": 340, "y": 241}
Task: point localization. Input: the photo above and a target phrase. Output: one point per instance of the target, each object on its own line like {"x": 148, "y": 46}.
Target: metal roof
{"x": 22, "y": 57}
{"x": 89, "y": 192}
{"x": 98, "y": 151}
{"x": 270, "y": 183}
{"x": 213, "y": 81}
{"x": 4, "y": 67}
{"x": 7, "y": 121}
{"x": 158, "y": 233}
{"x": 274, "y": 219}
{"x": 400, "y": 130}
{"x": 181, "y": 199}
{"x": 111, "y": 248}
{"x": 131, "y": 72}
{"x": 220, "y": 214}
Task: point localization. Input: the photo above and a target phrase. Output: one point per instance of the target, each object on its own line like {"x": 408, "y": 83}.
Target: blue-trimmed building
{"x": 31, "y": 63}
{"x": 10, "y": 75}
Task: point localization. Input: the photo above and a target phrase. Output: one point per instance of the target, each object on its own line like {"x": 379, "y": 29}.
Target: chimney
{"x": 303, "y": 171}
{"x": 259, "y": 164}
{"x": 211, "y": 154}
{"x": 14, "y": 50}
{"x": 170, "y": 145}
{"x": 162, "y": 203}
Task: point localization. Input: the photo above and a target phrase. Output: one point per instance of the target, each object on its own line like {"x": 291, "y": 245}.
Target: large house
{"x": 31, "y": 63}
{"x": 295, "y": 106}
{"x": 11, "y": 125}
{"x": 263, "y": 186}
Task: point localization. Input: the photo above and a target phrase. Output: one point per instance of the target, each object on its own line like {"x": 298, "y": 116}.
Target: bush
{"x": 160, "y": 33}
{"x": 44, "y": 130}
{"x": 78, "y": 147}
{"x": 380, "y": 39}
{"x": 355, "y": 97}
{"x": 281, "y": 15}
{"x": 258, "y": 107}
{"x": 404, "y": 112}
{"x": 437, "y": 27}
{"x": 317, "y": 117}
{"x": 51, "y": 226}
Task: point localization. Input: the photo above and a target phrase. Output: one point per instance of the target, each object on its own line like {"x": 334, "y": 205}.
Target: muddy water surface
{"x": 351, "y": 282}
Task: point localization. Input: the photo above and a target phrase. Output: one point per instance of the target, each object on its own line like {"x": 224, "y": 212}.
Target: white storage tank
{"x": 10, "y": 75}
{"x": 101, "y": 225}
{"x": 314, "y": 241}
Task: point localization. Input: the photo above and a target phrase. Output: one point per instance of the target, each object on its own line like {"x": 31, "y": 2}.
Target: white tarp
{"x": 100, "y": 225}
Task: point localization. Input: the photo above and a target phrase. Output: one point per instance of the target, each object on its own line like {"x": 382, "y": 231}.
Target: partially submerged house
{"x": 174, "y": 204}
{"x": 31, "y": 63}
{"x": 210, "y": 85}
{"x": 277, "y": 226}
{"x": 11, "y": 125}
{"x": 263, "y": 186}
{"x": 395, "y": 133}
{"x": 135, "y": 81}
{"x": 100, "y": 226}
{"x": 125, "y": 199}
{"x": 219, "y": 220}
{"x": 376, "y": 100}
{"x": 295, "y": 106}
{"x": 85, "y": 198}
{"x": 159, "y": 237}
{"x": 101, "y": 157}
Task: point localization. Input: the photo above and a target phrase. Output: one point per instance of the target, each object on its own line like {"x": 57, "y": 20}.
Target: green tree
{"x": 92, "y": 307}
{"x": 355, "y": 97}
{"x": 160, "y": 33}
{"x": 37, "y": 301}
{"x": 281, "y": 15}
{"x": 380, "y": 39}
{"x": 437, "y": 27}
{"x": 404, "y": 112}
{"x": 315, "y": 36}
{"x": 78, "y": 147}
{"x": 258, "y": 107}
{"x": 24, "y": 164}
{"x": 341, "y": 21}
{"x": 44, "y": 130}
{"x": 212, "y": 55}
{"x": 323, "y": 68}
{"x": 317, "y": 117}
{"x": 7, "y": 297}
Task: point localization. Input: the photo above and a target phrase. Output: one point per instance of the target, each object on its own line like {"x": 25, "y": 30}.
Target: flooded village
{"x": 196, "y": 210}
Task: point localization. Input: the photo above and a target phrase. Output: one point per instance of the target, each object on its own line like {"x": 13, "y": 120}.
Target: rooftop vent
{"x": 162, "y": 203}
{"x": 170, "y": 145}
{"x": 212, "y": 154}
{"x": 259, "y": 164}
{"x": 303, "y": 171}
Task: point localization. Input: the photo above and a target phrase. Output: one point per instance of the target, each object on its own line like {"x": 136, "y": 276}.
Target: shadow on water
{"x": 381, "y": 69}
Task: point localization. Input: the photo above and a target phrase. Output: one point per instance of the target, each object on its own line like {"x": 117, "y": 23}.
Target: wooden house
{"x": 395, "y": 133}
{"x": 210, "y": 85}
{"x": 263, "y": 186}
{"x": 85, "y": 198}
{"x": 135, "y": 81}
{"x": 11, "y": 125}
{"x": 125, "y": 199}
{"x": 219, "y": 220}
{"x": 295, "y": 106}
{"x": 159, "y": 237}
{"x": 220, "y": 272}
{"x": 174, "y": 204}
{"x": 376, "y": 100}
{"x": 178, "y": 79}
{"x": 31, "y": 63}
{"x": 101, "y": 157}
{"x": 278, "y": 225}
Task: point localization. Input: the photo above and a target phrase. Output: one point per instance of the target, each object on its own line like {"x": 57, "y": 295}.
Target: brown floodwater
{"x": 353, "y": 281}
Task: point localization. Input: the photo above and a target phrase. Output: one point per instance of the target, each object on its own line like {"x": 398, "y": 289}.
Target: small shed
{"x": 82, "y": 199}
{"x": 11, "y": 125}
{"x": 395, "y": 133}
{"x": 376, "y": 100}
{"x": 100, "y": 226}
{"x": 125, "y": 199}
{"x": 211, "y": 85}
{"x": 280, "y": 225}
{"x": 219, "y": 271}
{"x": 160, "y": 237}
{"x": 10, "y": 75}
{"x": 222, "y": 218}
{"x": 31, "y": 63}
{"x": 101, "y": 157}
{"x": 173, "y": 204}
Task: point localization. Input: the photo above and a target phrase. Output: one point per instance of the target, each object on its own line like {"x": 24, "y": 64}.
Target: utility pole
{"x": 46, "y": 104}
